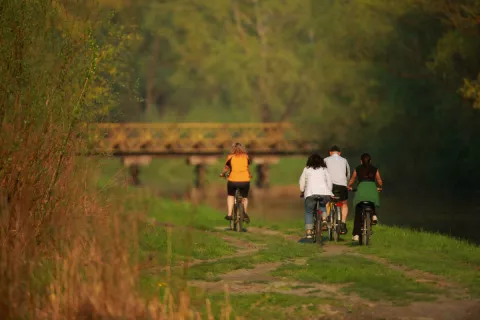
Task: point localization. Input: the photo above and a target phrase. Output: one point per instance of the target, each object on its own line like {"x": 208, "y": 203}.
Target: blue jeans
{"x": 310, "y": 206}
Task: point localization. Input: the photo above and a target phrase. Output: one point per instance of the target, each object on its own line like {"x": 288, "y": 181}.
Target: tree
{"x": 233, "y": 54}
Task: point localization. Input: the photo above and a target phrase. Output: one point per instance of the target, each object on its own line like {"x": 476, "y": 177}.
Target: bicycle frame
{"x": 334, "y": 219}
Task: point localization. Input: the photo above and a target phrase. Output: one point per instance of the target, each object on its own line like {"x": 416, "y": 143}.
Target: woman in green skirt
{"x": 368, "y": 177}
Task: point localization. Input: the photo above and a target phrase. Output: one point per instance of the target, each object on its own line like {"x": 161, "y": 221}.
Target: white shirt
{"x": 339, "y": 169}
{"x": 315, "y": 181}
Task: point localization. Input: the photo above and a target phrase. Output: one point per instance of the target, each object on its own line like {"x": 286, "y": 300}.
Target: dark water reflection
{"x": 454, "y": 215}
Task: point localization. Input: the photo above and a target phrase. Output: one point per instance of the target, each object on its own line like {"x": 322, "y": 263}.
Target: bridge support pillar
{"x": 201, "y": 163}
{"x": 133, "y": 163}
{"x": 263, "y": 166}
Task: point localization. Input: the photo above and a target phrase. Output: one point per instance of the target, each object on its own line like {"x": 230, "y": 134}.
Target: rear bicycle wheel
{"x": 318, "y": 224}
{"x": 318, "y": 231}
{"x": 233, "y": 222}
{"x": 314, "y": 233}
{"x": 330, "y": 223}
{"x": 336, "y": 226}
{"x": 240, "y": 215}
{"x": 339, "y": 222}
{"x": 366, "y": 229}
{"x": 234, "y": 218}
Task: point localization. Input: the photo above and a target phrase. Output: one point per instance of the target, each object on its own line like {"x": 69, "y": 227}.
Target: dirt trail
{"x": 332, "y": 249}
{"x": 259, "y": 280}
{"x": 453, "y": 289}
{"x": 244, "y": 248}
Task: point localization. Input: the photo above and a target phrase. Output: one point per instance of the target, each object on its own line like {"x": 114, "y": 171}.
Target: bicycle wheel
{"x": 336, "y": 226}
{"x": 338, "y": 223}
{"x": 318, "y": 231}
{"x": 366, "y": 228}
{"x": 234, "y": 218}
{"x": 318, "y": 224}
{"x": 233, "y": 222}
{"x": 240, "y": 212}
{"x": 314, "y": 235}
{"x": 331, "y": 224}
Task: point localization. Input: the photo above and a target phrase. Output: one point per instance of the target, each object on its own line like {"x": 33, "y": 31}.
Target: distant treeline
{"x": 397, "y": 78}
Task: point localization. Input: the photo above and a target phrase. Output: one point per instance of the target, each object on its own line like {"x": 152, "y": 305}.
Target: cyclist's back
{"x": 315, "y": 184}
{"x": 368, "y": 177}
{"x": 239, "y": 171}
{"x": 237, "y": 163}
{"x": 339, "y": 170}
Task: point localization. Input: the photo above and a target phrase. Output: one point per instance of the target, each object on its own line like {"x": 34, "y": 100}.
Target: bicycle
{"x": 367, "y": 211}
{"x": 317, "y": 221}
{"x": 238, "y": 212}
{"x": 334, "y": 219}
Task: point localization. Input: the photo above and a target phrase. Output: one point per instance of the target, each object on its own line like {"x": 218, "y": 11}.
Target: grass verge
{"x": 456, "y": 260}
{"x": 368, "y": 279}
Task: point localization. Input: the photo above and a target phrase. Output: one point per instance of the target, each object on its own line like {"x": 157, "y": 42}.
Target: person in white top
{"x": 315, "y": 183}
{"x": 340, "y": 172}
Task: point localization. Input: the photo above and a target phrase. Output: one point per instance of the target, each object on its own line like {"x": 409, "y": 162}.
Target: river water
{"x": 454, "y": 215}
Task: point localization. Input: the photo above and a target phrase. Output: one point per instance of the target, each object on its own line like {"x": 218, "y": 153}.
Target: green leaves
{"x": 471, "y": 90}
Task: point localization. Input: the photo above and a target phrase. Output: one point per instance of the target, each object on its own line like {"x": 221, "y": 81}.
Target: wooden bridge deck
{"x": 170, "y": 139}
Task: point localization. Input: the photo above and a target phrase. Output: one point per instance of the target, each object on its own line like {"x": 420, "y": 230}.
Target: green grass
{"x": 277, "y": 249}
{"x": 366, "y": 278}
{"x": 454, "y": 259}
{"x": 185, "y": 243}
{"x": 196, "y": 233}
{"x": 272, "y": 306}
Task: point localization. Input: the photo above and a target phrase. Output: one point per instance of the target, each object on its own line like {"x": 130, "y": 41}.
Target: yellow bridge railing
{"x": 196, "y": 138}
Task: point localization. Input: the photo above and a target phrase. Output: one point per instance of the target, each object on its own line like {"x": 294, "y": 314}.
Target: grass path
{"x": 271, "y": 275}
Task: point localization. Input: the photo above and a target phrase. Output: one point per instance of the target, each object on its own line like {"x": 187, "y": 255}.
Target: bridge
{"x": 200, "y": 143}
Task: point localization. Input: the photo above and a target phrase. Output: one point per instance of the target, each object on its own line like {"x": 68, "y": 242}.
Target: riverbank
{"x": 269, "y": 272}
{"x": 454, "y": 214}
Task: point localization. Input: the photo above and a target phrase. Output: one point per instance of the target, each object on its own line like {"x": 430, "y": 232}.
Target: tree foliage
{"x": 57, "y": 61}
{"x": 394, "y": 76}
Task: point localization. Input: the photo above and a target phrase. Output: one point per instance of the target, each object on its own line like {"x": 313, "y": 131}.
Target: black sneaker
{"x": 246, "y": 218}
{"x": 227, "y": 217}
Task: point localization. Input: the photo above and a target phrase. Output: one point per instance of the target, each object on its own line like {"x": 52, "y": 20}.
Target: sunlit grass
{"x": 457, "y": 260}
{"x": 366, "y": 278}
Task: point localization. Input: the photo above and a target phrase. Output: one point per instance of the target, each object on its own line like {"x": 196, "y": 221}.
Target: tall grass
{"x": 63, "y": 254}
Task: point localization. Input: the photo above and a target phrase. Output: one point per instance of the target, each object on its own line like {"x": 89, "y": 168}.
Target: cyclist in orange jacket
{"x": 237, "y": 163}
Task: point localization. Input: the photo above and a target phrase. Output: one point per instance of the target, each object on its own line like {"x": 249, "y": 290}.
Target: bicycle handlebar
{"x": 302, "y": 194}
{"x": 224, "y": 175}
{"x": 378, "y": 189}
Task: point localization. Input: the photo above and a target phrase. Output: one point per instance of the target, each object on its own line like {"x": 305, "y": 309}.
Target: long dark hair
{"x": 365, "y": 159}
{"x": 315, "y": 161}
